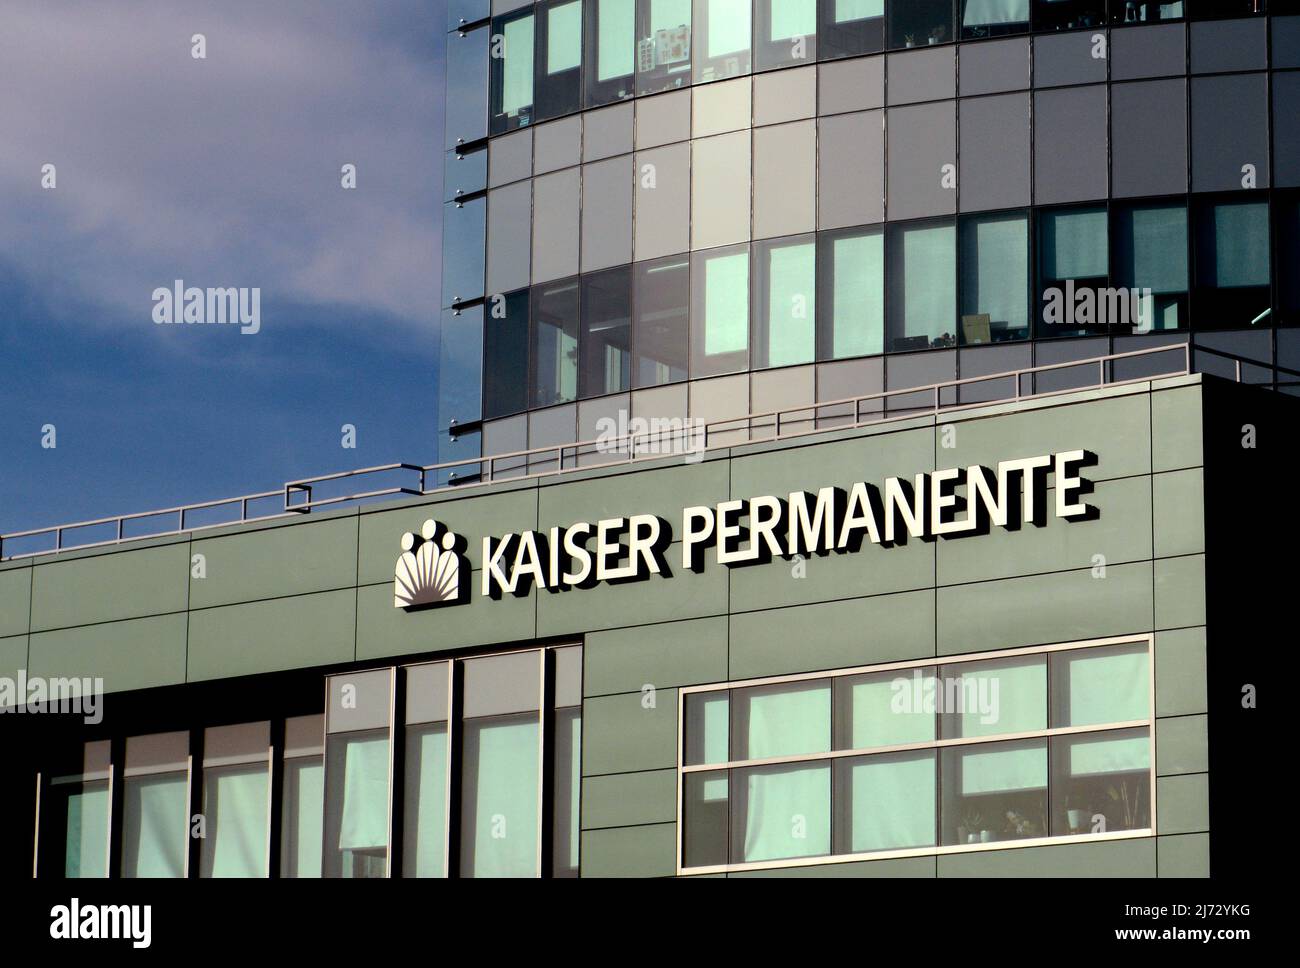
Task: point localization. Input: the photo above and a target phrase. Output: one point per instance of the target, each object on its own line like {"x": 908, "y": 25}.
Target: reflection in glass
{"x": 663, "y": 46}
{"x": 1069, "y": 14}
{"x": 993, "y": 18}
{"x": 851, "y": 266}
{"x": 785, "y": 33}
{"x": 606, "y": 332}
{"x": 851, "y": 27}
{"x": 785, "y": 295}
{"x": 707, "y": 727}
{"x": 611, "y": 51}
{"x": 994, "y": 278}
{"x": 1232, "y": 264}
{"x": 705, "y": 816}
{"x": 722, "y": 38}
{"x": 554, "y": 348}
{"x": 505, "y": 355}
{"x": 512, "y": 71}
{"x": 1151, "y": 253}
{"x": 1144, "y": 11}
{"x": 1073, "y": 259}
{"x": 922, "y": 285}
{"x": 559, "y": 47}
{"x": 662, "y": 298}
{"x": 720, "y": 311}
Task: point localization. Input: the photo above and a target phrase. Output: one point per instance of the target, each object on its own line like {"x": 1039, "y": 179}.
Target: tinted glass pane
{"x": 567, "y": 769}
{"x": 499, "y": 809}
{"x": 505, "y": 355}
{"x": 785, "y": 33}
{"x": 1101, "y": 782}
{"x": 1068, "y": 14}
{"x": 464, "y": 233}
{"x": 554, "y": 349}
{"x": 559, "y": 75}
{"x": 1232, "y": 264}
{"x": 993, "y": 18}
{"x": 77, "y": 812}
{"x": 467, "y": 87}
{"x": 356, "y": 814}
{"x": 304, "y": 807}
{"x": 1288, "y": 254}
{"x": 917, "y": 23}
{"x": 852, "y": 293}
{"x": 1073, "y": 258}
{"x": 1092, "y": 687}
{"x": 708, "y": 727}
{"x": 994, "y": 278}
{"x": 922, "y": 286}
{"x": 885, "y": 802}
{"x": 460, "y": 367}
{"x": 235, "y": 805}
{"x": 705, "y": 825}
{"x": 512, "y": 72}
{"x": 996, "y": 697}
{"x": 425, "y": 816}
{"x": 720, "y": 311}
{"x": 781, "y": 811}
{"x": 606, "y": 332}
{"x": 154, "y": 829}
{"x": 781, "y": 720}
{"x": 1151, "y": 254}
{"x": 994, "y": 792}
{"x": 885, "y": 709}
{"x": 722, "y": 37}
{"x": 851, "y": 27}
{"x": 611, "y": 50}
{"x": 1143, "y": 11}
{"x": 785, "y": 281}
{"x": 662, "y": 303}
{"x": 664, "y": 41}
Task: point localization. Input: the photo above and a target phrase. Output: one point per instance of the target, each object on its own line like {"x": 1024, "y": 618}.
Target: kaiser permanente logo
{"x": 952, "y": 503}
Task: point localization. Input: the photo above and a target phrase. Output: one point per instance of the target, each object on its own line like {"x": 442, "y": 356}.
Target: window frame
{"x": 937, "y": 745}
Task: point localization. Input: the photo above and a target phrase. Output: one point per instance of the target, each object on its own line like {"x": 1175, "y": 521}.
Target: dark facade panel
{"x": 995, "y": 152}
{"x": 988, "y": 68}
{"x": 1149, "y": 138}
{"x": 1072, "y": 58}
{"x": 1070, "y": 145}
{"x": 1156, "y": 51}
{"x": 1229, "y": 131}
{"x": 1229, "y": 45}
{"x": 1286, "y": 130}
{"x": 922, "y": 160}
{"x": 921, "y": 75}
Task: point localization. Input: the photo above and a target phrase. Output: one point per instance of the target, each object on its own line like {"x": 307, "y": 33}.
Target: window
{"x": 1073, "y": 261}
{"x": 1287, "y": 209}
{"x": 1232, "y": 264}
{"x": 849, "y": 27}
{"x": 566, "y": 766}
{"x": 786, "y": 33}
{"x": 505, "y": 355}
{"x": 358, "y": 753}
{"x": 155, "y": 806}
{"x": 994, "y": 278}
{"x": 722, "y": 33}
{"x": 785, "y": 284}
{"x": 468, "y": 86}
{"x": 303, "y": 808}
{"x": 74, "y": 833}
{"x": 1151, "y": 254}
{"x": 919, "y": 23}
{"x": 559, "y": 52}
{"x": 424, "y": 814}
{"x": 1144, "y": 11}
{"x": 606, "y": 342}
{"x": 719, "y": 311}
{"x": 1068, "y": 14}
{"x": 554, "y": 349}
{"x": 937, "y": 756}
{"x": 922, "y": 285}
{"x": 661, "y": 296}
{"x": 851, "y": 298}
{"x": 463, "y": 252}
{"x": 663, "y": 45}
{"x": 511, "y": 54}
{"x": 236, "y": 801}
{"x": 611, "y": 50}
{"x": 993, "y": 18}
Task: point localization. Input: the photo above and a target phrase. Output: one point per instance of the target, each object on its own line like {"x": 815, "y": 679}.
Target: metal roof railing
{"x": 668, "y": 437}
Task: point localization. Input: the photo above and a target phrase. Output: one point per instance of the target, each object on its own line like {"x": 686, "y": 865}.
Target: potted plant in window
{"x": 1075, "y": 814}
{"x": 909, "y": 40}
{"x": 968, "y": 831}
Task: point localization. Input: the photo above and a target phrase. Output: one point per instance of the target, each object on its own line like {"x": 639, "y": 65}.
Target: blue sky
{"x": 223, "y": 171}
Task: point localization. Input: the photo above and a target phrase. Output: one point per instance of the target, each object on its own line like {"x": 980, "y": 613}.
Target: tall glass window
{"x": 994, "y": 278}
{"x": 722, "y": 34}
{"x": 1232, "y": 264}
{"x": 464, "y": 231}
{"x": 301, "y": 833}
{"x": 1151, "y": 265}
{"x": 559, "y": 52}
{"x": 505, "y": 355}
{"x": 719, "y": 311}
{"x": 566, "y": 764}
{"x": 1073, "y": 268}
{"x": 500, "y": 782}
{"x": 785, "y": 33}
{"x": 424, "y": 833}
{"x": 606, "y": 343}
{"x": 611, "y": 51}
{"x": 1287, "y": 214}
{"x": 920, "y": 23}
{"x": 512, "y": 54}
{"x": 971, "y": 751}
{"x": 785, "y": 297}
{"x": 922, "y": 285}
{"x": 554, "y": 350}
{"x": 468, "y": 86}
{"x": 663, "y": 45}
{"x": 358, "y": 754}
{"x": 662, "y": 309}
{"x": 460, "y": 367}
{"x": 1069, "y": 14}
{"x": 155, "y": 806}
{"x": 1144, "y": 11}
{"x": 236, "y": 801}
{"x": 850, "y": 27}
{"x": 851, "y": 293}
{"x": 74, "y": 818}
{"x": 993, "y": 18}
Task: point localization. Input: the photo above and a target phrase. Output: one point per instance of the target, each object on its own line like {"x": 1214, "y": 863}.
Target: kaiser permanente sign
{"x": 758, "y": 529}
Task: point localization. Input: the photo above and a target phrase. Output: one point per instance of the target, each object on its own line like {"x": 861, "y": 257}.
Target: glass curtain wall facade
{"x": 852, "y": 195}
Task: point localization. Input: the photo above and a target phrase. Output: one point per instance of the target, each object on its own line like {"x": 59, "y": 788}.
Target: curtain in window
{"x": 1240, "y": 245}
{"x": 893, "y": 802}
{"x": 1153, "y": 248}
{"x": 791, "y": 309}
{"x": 793, "y": 18}
{"x": 1003, "y": 770}
{"x": 304, "y": 810}
{"x": 886, "y": 712}
{"x": 984, "y": 13}
{"x": 1013, "y": 695}
{"x": 995, "y": 270}
{"x": 1074, "y": 244}
{"x": 616, "y": 43}
{"x": 154, "y": 834}
{"x": 1109, "y": 687}
{"x": 929, "y": 281}
{"x": 236, "y": 810}
{"x": 1091, "y": 757}
{"x": 858, "y": 297}
{"x": 517, "y": 68}
{"x": 86, "y": 844}
{"x": 726, "y": 304}
{"x": 365, "y": 795}
{"x": 788, "y": 721}
{"x": 788, "y": 812}
{"x": 846, "y": 10}
{"x": 728, "y": 27}
{"x": 501, "y": 813}
{"x": 426, "y": 819}
{"x": 564, "y": 37}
